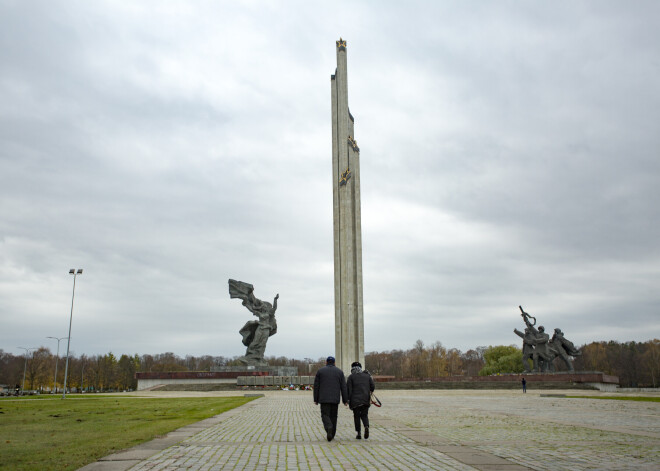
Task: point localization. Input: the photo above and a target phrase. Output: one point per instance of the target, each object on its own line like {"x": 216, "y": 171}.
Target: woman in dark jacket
{"x": 360, "y": 386}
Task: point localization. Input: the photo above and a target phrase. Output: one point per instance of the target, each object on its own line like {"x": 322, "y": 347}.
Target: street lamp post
{"x": 25, "y": 367}
{"x": 57, "y": 358}
{"x": 68, "y": 343}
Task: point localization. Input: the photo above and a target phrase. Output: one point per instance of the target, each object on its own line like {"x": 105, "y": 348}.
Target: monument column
{"x": 349, "y": 319}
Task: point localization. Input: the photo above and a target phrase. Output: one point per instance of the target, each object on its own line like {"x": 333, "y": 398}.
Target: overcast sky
{"x": 510, "y": 155}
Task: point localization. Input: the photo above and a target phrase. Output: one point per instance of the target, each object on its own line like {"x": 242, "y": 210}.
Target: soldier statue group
{"x": 541, "y": 349}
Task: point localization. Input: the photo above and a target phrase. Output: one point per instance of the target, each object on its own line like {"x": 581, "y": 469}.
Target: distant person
{"x": 329, "y": 388}
{"x": 524, "y": 384}
{"x": 360, "y": 385}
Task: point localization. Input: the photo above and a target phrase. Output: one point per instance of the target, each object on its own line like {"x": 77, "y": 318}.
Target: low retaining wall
{"x": 274, "y": 380}
{"x": 269, "y": 370}
{"x": 480, "y": 385}
{"x": 568, "y": 380}
{"x": 147, "y": 380}
{"x": 150, "y": 383}
{"x": 572, "y": 380}
{"x": 574, "y": 377}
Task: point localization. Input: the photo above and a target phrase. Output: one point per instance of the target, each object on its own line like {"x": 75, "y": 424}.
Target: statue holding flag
{"x": 538, "y": 346}
{"x": 255, "y": 333}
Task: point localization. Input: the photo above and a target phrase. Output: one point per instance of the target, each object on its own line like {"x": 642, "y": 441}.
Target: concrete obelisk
{"x": 349, "y": 319}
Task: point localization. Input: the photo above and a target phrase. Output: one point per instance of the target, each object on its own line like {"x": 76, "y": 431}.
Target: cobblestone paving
{"x": 284, "y": 432}
{"x": 417, "y": 430}
{"x": 538, "y": 432}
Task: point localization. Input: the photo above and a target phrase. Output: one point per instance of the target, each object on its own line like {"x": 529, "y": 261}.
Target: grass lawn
{"x": 621, "y": 398}
{"x": 55, "y": 434}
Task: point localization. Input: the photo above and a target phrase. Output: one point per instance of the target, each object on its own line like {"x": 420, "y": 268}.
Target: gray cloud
{"x": 509, "y": 156}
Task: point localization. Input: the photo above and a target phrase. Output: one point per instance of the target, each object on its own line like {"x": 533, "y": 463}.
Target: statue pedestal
{"x": 249, "y": 369}
{"x": 559, "y": 380}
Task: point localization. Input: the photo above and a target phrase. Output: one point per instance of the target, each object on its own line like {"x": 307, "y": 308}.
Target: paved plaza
{"x": 414, "y": 430}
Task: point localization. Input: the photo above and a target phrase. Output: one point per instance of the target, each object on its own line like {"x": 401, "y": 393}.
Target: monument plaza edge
{"x": 349, "y": 317}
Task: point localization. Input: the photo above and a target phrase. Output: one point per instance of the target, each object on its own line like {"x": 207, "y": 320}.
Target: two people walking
{"x": 331, "y": 388}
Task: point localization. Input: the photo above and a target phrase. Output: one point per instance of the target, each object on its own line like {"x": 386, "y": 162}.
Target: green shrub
{"x": 502, "y": 359}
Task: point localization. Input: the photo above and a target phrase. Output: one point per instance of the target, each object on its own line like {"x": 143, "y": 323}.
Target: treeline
{"x": 426, "y": 362}
{"x": 637, "y": 364}
{"x": 91, "y": 373}
{"x": 108, "y": 372}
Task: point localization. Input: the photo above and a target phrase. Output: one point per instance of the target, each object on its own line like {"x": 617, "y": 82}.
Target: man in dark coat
{"x": 329, "y": 387}
{"x": 360, "y": 385}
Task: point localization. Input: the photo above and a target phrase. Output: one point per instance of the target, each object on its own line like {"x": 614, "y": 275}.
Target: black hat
{"x": 330, "y": 359}
{"x": 356, "y": 363}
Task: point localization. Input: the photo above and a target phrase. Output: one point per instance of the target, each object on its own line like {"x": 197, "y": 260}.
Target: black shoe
{"x": 358, "y": 436}
{"x": 329, "y": 436}
{"x": 366, "y": 433}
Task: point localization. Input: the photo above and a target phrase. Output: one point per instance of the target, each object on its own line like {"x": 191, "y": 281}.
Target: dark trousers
{"x": 329, "y": 417}
{"x": 361, "y": 414}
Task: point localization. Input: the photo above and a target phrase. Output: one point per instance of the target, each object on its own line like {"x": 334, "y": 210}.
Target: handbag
{"x": 375, "y": 401}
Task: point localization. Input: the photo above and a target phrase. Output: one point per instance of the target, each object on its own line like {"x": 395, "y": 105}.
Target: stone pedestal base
{"x": 561, "y": 380}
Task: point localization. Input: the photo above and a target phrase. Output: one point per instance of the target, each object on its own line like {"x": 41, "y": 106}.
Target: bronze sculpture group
{"x": 543, "y": 350}
{"x": 255, "y": 333}
{"x": 537, "y": 345}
